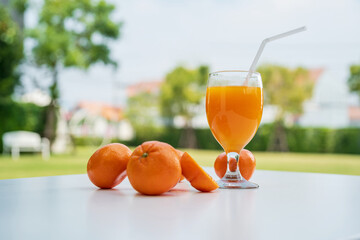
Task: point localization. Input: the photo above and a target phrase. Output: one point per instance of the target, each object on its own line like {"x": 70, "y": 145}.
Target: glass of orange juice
{"x": 234, "y": 106}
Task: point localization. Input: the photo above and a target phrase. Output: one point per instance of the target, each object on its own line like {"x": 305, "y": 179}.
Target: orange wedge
{"x": 196, "y": 175}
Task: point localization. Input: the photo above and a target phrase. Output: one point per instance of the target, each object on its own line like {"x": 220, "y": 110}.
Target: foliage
{"x": 182, "y": 91}
{"x": 180, "y": 96}
{"x": 11, "y": 53}
{"x": 71, "y": 34}
{"x": 286, "y": 88}
{"x": 142, "y": 112}
{"x": 310, "y": 139}
{"x": 206, "y": 139}
{"x": 320, "y": 140}
{"x": 346, "y": 141}
{"x": 300, "y": 139}
{"x": 261, "y": 140}
{"x": 20, "y": 116}
{"x": 88, "y": 141}
{"x": 20, "y": 5}
{"x": 74, "y": 33}
{"x": 354, "y": 79}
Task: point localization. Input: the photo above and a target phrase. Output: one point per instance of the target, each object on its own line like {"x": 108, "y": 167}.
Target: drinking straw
{"x": 264, "y": 42}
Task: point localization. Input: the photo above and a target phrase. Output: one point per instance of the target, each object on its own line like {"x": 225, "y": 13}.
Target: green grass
{"x": 294, "y": 162}
{"x": 29, "y": 165}
{"x": 34, "y": 166}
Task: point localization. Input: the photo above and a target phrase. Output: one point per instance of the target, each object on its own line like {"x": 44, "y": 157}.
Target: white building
{"x": 94, "y": 119}
{"x": 331, "y": 104}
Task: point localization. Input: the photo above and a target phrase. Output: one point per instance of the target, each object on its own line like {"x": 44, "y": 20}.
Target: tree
{"x": 11, "y": 53}
{"x": 142, "y": 111}
{"x": 354, "y": 79}
{"x": 287, "y": 89}
{"x": 71, "y": 34}
{"x": 180, "y": 94}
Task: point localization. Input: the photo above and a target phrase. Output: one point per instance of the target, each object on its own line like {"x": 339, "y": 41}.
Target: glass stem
{"x": 233, "y": 170}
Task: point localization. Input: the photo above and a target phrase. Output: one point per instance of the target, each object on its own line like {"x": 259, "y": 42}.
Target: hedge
{"x": 300, "y": 139}
{"x": 20, "y": 116}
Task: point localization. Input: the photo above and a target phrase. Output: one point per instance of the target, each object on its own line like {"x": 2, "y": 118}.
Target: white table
{"x": 286, "y": 206}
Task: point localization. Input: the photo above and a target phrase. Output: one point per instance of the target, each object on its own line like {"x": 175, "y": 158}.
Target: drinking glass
{"x": 234, "y": 106}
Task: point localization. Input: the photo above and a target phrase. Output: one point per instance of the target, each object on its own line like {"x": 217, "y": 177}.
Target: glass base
{"x": 233, "y": 180}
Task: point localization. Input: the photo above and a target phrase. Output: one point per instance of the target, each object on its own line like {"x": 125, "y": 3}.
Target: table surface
{"x": 286, "y": 206}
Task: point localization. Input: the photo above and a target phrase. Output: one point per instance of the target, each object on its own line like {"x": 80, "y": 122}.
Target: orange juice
{"x": 234, "y": 114}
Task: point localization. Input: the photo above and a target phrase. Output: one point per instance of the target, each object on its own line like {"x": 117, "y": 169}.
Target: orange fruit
{"x": 232, "y": 165}
{"x": 154, "y": 168}
{"x": 220, "y": 165}
{"x": 106, "y": 168}
{"x": 196, "y": 175}
{"x": 246, "y": 163}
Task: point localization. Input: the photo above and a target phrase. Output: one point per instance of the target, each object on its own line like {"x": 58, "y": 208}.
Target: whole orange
{"x": 106, "y": 168}
{"x": 154, "y": 168}
{"x": 220, "y": 165}
{"x": 246, "y": 163}
{"x": 232, "y": 164}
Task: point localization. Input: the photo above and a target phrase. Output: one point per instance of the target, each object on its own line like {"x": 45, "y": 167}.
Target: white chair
{"x": 24, "y": 141}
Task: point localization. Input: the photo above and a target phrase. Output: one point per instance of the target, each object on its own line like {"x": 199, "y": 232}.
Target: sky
{"x": 159, "y": 35}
